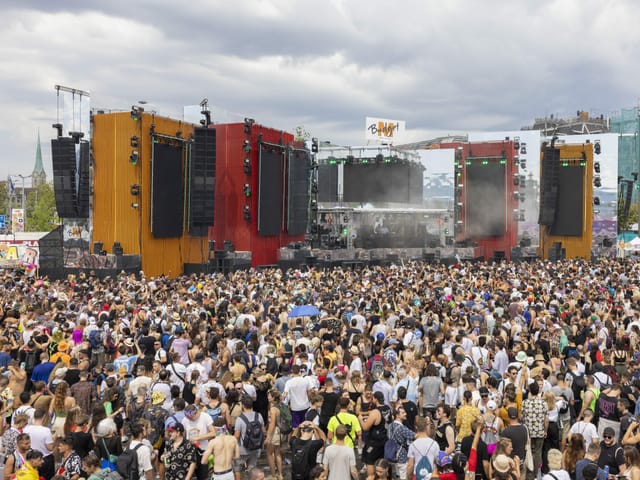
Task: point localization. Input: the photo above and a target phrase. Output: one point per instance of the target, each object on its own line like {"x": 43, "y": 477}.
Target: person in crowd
{"x": 180, "y": 456}
{"x": 339, "y": 459}
{"x": 556, "y": 471}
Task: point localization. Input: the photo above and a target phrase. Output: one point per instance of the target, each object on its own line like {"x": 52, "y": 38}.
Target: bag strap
{"x": 552, "y": 475}
{"x": 35, "y": 399}
{"x": 342, "y": 423}
{"x": 105, "y": 447}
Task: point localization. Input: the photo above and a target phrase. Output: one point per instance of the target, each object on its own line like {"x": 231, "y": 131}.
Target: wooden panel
{"x": 114, "y": 218}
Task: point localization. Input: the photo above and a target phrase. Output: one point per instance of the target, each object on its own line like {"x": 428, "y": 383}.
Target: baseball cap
{"x": 443, "y": 459}
{"x": 176, "y": 427}
{"x": 512, "y": 412}
{"x": 609, "y": 432}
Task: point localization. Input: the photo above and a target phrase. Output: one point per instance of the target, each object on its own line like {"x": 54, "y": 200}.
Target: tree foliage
{"x": 624, "y": 221}
{"x": 41, "y": 209}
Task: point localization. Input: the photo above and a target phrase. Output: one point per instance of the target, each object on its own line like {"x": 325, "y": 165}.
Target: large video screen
{"x": 485, "y": 200}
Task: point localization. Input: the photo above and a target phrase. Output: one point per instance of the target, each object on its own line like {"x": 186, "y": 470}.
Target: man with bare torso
{"x": 225, "y": 450}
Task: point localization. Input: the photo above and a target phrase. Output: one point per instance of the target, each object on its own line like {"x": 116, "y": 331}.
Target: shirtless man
{"x": 225, "y": 450}
{"x": 17, "y": 378}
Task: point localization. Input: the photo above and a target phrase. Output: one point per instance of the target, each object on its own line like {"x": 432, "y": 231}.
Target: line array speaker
{"x": 63, "y": 159}
{"x": 202, "y": 181}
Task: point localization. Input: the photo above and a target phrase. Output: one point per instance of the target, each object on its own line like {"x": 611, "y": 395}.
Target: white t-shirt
{"x": 423, "y": 447}
{"x": 176, "y": 371}
{"x": 587, "y": 429}
{"x": 40, "y": 436}
{"x": 194, "y": 428}
{"x": 295, "y": 391}
{"x": 339, "y": 459}
{"x": 144, "y": 457}
{"x": 556, "y": 475}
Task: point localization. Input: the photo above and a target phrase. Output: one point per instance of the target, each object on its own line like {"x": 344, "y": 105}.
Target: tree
{"x": 624, "y": 221}
{"x": 41, "y": 209}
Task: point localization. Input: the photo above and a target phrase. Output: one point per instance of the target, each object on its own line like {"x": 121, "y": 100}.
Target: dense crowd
{"x": 506, "y": 371}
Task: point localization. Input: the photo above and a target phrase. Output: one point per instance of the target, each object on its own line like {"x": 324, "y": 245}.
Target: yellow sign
{"x": 382, "y": 129}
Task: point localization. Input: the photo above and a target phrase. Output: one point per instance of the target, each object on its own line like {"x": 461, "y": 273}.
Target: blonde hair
{"x": 554, "y": 458}
{"x": 550, "y": 398}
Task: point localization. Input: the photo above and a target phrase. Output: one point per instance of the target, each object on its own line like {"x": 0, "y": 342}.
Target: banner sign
{"x": 17, "y": 220}
{"x": 383, "y": 130}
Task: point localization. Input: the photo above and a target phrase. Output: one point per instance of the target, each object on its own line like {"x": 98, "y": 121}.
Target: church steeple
{"x": 38, "y": 176}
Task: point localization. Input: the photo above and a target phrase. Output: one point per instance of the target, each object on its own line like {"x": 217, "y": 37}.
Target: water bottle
{"x": 606, "y": 471}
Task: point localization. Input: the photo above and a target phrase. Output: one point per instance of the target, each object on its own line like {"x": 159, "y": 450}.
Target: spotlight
{"x": 136, "y": 112}
{"x": 135, "y": 189}
{"x": 58, "y": 127}
{"x": 516, "y": 196}
{"x": 135, "y": 205}
{"x": 596, "y": 200}
{"x": 522, "y": 197}
{"x": 596, "y": 147}
{"x": 314, "y": 187}
{"x": 521, "y": 216}
{"x": 379, "y": 158}
{"x": 523, "y": 164}
{"x": 523, "y": 181}
{"x": 597, "y": 182}
{"x": 246, "y": 146}
{"x": 179, "y": 134}
{"x": 516, "y": 179}
{"x": 314, "y": 205}
{"x": 247, "y": 213}
{"x": 635, "y": 176}
{"x": 246, "y": 189}
{"x": 134, "y": 141}
{"x": 516, "y": 143}
{"x": 596, "y": 167}
{"x": 314, "y": 145}
{"x": 204, "y": 104}
{"x": 523, "y": 148}
{"x": 248, "y": 123}
{"x": 350, "y": 159}
{"x": 133, "y": 158}
{"x": 247, "y": 166}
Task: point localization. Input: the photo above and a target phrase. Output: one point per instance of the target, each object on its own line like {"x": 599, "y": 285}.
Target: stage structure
{"x": 487, "y": 196}
{"x": 567, "y": 183}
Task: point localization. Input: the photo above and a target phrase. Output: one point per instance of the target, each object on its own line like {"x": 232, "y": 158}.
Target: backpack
{"x": 108, "y": 474}
{"x": 578, "y": 384}
{"x": 253, "y": 436}
{"x": 300, "y": 465}
{"x": 377, "y": 368}
{"x": 30, "y": 361}
{"x": 272, "y": 365}
{"x": 136, "y": 412}
{"x": 391, "y": 448}
{"x": 285, "y": 419}
{"x": 612, "y": 372}
{"x": 96, "y": 339}
{"x": 127, "y": 464}
{"x": 214, "y": 412}
{"x": 157, "y": 417}
{"x": 564, "y": 405}
{"x": 424, "y": 469}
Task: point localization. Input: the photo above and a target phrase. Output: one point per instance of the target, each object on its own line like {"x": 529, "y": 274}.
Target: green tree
{"x": 41, "y": 209}
{"x": 624, "y": 221}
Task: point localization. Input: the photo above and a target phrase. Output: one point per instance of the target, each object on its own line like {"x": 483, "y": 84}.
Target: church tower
{"x": 38, "y": 176}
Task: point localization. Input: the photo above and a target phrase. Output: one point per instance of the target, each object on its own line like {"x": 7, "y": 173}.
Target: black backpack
{"x": 127, "y": 464}
{"x": 578, "y": 384}
{"x": 253, "y": 436}
{"x": 300, "y": 465}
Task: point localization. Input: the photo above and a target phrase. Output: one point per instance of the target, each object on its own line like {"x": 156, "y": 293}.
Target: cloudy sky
{"x": 443, "y": 66}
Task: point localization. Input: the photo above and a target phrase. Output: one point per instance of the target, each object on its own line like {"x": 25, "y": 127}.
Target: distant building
{"x": 582, "y": 124}
{"x": 38, "y": 176}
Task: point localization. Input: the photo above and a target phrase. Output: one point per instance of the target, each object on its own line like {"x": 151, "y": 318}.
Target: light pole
{"x": 23, "y": 198}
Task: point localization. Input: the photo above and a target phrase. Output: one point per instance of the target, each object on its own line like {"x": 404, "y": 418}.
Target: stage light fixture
{"x": 314, "y": 187}
{"x": 246, "y": 146}
{"x": 596, "y": 147}
{"x": 247, "y": 213}
{"x": 314, "y": 205}
{"x": 523, "y": 181}
{"x": 522, "y": 197}
{"x": 246, "y": 189}
{"x": 596, "y": 167}
{"x": 179, "y": 134}
{"x": 134, "y": 157}
{"x": 521, "y": 216}
{"x": 523, "y": 148}
{"x": 134, "y": 141}
{"x": 516, "y": 143}
{"x": 135, "y": 189}
{"x": 248, "y": 124}
{"x": 247, "y": 166}
{"x": 135, "y": 205}
{"x": 314, "y": 145}
{"x": 596, "y": 200}
{"x": 635, "y": 176}
{"x": 516, "y": 179}
{"x": 350, "y": 159}
{"x": 523, "y": 164}
{"x": 136, "y": 112}
{"x": 379, "y": 158}
{"x": 597, "y": 181}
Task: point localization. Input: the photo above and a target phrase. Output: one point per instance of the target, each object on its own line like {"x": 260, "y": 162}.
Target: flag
{"x": 11, "y": 186}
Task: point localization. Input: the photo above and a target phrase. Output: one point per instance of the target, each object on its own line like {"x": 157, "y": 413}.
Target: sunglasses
{"x": 607, "y": 436}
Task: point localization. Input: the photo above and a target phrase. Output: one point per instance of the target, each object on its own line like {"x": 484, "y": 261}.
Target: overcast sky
{"x": 443, "y": 66}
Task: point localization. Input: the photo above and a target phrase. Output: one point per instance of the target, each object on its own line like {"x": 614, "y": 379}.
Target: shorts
{"x": 226, "y": 475}
{"x": 400, "y": 470}
{"x": 250, "y": 460}
{"x": 372, "y": 453}
{"x": 275, "y": 439}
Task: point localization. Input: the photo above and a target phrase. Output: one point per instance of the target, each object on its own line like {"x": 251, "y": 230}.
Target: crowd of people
{"x": 505, "y": 371}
